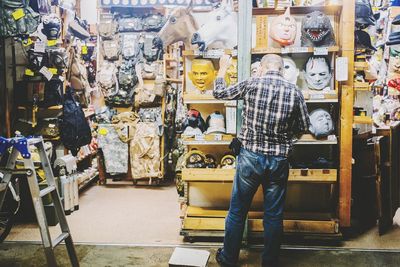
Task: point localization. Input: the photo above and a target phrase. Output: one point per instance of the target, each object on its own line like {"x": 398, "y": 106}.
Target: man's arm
{"x": 232, "y": 92}
{"x": 302, "y": 119}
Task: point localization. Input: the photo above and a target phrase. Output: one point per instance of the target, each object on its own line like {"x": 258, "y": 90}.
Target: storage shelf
{"x": 308, "y": 139}
{"x": 289, "y": 50}
{"x": 362, "y": 120}
{"x": 227, "y": 175}
{"x": 299, "y": 10}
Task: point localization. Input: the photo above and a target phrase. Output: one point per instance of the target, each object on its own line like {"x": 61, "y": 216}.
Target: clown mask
{"x": 290, "y": 71}
{"x": 202, "y": 74}
{"x": 231, "y": 73}
{"x": 283, "y": 29}
{"x": 321, "y": 123}
{"x": 318, "y": 73}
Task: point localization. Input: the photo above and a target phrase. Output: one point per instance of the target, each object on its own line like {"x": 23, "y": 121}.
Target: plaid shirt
{"x": 274, "y": 111}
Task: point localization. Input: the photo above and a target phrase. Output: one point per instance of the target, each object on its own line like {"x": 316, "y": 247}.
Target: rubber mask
{"x": 231, "y": 73}
{"x": 317, "y": 73}
{"x": 283, "y": 29}
{"x": 290, "y": 71}
{"x": 321, "y": 123}
{"x": 202, "y": 74}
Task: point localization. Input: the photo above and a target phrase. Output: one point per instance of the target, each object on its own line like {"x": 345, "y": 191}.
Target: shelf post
{"x": 346, "y": 114}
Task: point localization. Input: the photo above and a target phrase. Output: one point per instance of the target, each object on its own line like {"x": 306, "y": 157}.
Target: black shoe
{"x": 220, "y": 260}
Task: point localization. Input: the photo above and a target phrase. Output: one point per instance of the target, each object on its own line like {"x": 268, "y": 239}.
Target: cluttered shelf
{"x": 299, "y": 10}
{"x": 293, "y": 50}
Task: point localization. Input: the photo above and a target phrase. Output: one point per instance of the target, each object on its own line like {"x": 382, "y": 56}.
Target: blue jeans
{"x": 252, "y": 170}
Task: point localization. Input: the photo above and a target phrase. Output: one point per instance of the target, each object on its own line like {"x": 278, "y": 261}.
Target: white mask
{"x": 321, "y": 123}
{"x": 317, "y": 73}
{"x": 255, "y": 69}
{"x": 290, "y": 71}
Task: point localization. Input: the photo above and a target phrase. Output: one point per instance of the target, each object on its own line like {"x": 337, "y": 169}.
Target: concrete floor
{"x": 19, "y": 254}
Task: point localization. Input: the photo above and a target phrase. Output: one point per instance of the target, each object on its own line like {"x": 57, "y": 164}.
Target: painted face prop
{"x": 321, "y": 123}
{"x": 394, "y": 61}
{"x": 202, "y": 74}
{"x": 231, "y": 73}
{"x": 283, "y": 29}
{"x": 317, "y": 30}
{"x": 255, "y": 69}
{"x": 317, "y": 73}
{"x": 290, "y": 71}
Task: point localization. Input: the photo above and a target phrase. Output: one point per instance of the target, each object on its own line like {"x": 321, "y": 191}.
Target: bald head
{"x": 271, "y": 62}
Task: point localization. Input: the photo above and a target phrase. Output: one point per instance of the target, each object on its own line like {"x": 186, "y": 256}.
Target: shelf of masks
{"x": 227, "y": 175}
{"x": 208, "y": 139}
{"x": 294, "y": 50}
{"x": 299, "y": 10}
{"x": 362, "y": 120}
{"x": 214, "y": 220}
{"x": 361, "y": 86}
{"x": 211, "y": 53}
{"x": 308, "y": 139}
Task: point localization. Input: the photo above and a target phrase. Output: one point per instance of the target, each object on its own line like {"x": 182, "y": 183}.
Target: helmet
{"x": 216, "y": 123}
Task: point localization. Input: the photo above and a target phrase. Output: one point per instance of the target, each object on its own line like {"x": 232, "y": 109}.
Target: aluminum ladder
{"x": 37, "y": 195}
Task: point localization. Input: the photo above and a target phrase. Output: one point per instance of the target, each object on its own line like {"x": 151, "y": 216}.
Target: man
{"x": 274, "y": 111}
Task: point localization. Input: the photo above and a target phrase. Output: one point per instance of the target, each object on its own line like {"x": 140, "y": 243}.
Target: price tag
{"x": 54, "y": 71}
{"x": 51, "y": 42}
{"x": 46, "y": 73}
{"x": 299, "y": 49}
{"x": 27, "y": 42}
{"x": 18, "y": 14}
{"x": 285, "y": 50}
{"x": 84, "y": 50}
{"x": 103, "y": 131}
{"x": 40, "y": 47}
{"x": 332, "y": 137}
{"x": 29, "y": 72}
{"x": 342, "y": 69}
{"x": 199, "y": 137}
{"x": 321, "y": 51}
{"x": 317, "y": 96}
{"x": 218, "y": 137}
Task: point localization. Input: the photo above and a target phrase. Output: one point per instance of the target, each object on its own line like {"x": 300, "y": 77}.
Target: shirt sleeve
{"x": 302, "y": 120}
{"x": 233, "y": 92}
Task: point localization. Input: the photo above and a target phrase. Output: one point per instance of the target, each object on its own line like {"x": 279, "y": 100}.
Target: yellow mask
{"x": 232, "y": 73}
{"x": 202, "y": 74}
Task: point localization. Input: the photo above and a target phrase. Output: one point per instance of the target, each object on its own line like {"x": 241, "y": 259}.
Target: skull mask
{"x": 317, "y": 72}
{"x": 290, "y": 71}
{"x": 321, "y": 123}
{"x": 283, "y": 29}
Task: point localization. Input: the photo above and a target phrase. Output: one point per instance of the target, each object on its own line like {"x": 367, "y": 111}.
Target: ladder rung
{"x": 60, "y": 239}
{"x": 47, "y": 190}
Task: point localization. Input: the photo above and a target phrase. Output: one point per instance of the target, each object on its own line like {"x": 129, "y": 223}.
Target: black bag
{"x": 74, "y": 128}
{"x": 53, "y": 93}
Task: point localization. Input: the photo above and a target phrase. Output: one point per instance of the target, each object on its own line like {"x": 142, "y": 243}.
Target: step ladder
{"x": 20, "y": 145}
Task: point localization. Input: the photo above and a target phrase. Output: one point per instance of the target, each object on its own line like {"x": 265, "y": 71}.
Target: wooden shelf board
{"x": 227, "y": 175}
{"x": 320, "y": 97}
{"x": 289, "y": 50}
{"x": 322, "y": 101}
{"x": 299, "y": 10}
{"x": 256, "y": 225}
{"x": 308, "y": 139}
{"x": 211, "y": 53}
{"x": 40, "y": 109}
{"x": 361, "y": 86}
{"x": 361, "y": 65}
{"x": 362, "y": 120}
{"x": 209, "y": 139}
{"x": 206, "y": 143}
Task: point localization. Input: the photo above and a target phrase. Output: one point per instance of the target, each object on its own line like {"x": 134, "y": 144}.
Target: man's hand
{"x": 224, "y": 63}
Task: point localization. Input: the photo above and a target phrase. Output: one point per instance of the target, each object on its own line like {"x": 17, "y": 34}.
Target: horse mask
{"x": 317, "y": 30}
{"x": 202, "y": 74}
{"x": 321, "y": 123}
{"x": 290, "y": 71}
{"x": 317, "y": 72}
{"x": 283, "y": 29}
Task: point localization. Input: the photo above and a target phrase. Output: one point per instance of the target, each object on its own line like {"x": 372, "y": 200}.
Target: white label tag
{"x": 321, "y": 51}
{"x": 332, "y": 137}
{"x": 61, "y": 78}
{"x": 285, "y": 50}
{"x": 199, "y": 137}
{"x": 40, "y": 47}
{"x": 342, "y": 69}
{"x": 46, "y": 73}
{"x": 218, "y": 137}
{"x": 317, "y": 96}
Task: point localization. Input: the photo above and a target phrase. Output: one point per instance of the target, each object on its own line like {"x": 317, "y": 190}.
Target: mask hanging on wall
{"x": 51, "y": 26}
{"x": 290, "y": 71}
{"x": 232, "y": 73}
{"x": 321, "y": 123}
{"x": 394, "y": 62}
{"x": 202, "y": 74}
{"x": 317, "y": 73}
{"x": 283, "y": 29}
{"x": 317, "y": 30}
